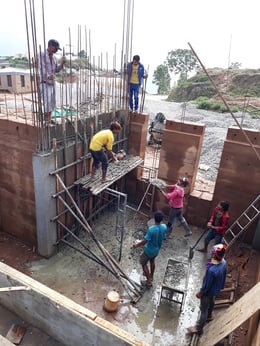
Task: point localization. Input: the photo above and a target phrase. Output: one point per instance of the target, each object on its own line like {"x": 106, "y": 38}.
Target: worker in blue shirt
{"x": 152, "y": 243}
{"x": 136, "y": 74}
{"x": 213, "y": 282}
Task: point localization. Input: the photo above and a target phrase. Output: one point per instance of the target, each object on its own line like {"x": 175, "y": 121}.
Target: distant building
{"x": 15, "y": 80}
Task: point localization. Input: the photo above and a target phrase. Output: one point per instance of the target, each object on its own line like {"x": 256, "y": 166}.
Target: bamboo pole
{"x": 116, "y": 267}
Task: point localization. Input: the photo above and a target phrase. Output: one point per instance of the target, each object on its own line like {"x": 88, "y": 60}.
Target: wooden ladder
{"x": 242, "y": 223}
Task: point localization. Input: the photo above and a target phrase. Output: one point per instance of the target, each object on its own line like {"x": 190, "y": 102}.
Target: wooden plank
{"x": 15, "y": 334}
{"x": 120, "y": 333}
{"x": 14, "y": 288}
{"x": 223, "y": 302}
{"x": 227, "y": 289}
{"x": 5, "y": 342}
{"x": 233, "y": 317}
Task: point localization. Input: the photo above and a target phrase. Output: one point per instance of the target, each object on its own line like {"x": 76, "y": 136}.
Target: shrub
{"x": 201, "y": 99}
{"x": 202, "y": 78}
{"x": 204, "y": 104}
{"x": 223, "y": 109}
{"x": 216, "y": 106}
{"x": 234, "y": 109}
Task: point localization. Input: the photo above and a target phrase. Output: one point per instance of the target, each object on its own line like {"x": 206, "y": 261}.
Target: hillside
{"x": 239, "y": 87}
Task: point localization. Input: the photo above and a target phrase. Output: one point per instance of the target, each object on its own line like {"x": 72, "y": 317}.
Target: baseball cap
{"x": 218, "y": 251}
{"x": 54, "y": 43}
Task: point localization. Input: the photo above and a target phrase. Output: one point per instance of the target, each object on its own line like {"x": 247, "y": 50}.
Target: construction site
{"x": 68, "y": 273}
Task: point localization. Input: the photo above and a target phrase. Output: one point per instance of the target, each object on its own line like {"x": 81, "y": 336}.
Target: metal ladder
{"x": 148, "y": 197}
{"x": 242, "y": 223}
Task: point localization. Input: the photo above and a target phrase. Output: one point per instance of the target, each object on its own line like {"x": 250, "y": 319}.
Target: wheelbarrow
{"x": 191, "y": 251}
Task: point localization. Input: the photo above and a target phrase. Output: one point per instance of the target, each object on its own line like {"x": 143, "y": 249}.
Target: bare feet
{"x": 103, "y": 181}
{"x": 192, "y": 330}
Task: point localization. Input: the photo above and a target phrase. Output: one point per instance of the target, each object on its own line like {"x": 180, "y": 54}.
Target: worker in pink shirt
{"x": 175, "y": 199}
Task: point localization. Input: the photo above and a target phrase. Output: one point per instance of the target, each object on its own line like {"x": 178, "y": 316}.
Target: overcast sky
{"x": 220, "y": 32}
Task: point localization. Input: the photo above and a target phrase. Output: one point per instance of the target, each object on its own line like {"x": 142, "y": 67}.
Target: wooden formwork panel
{"x": 236, "y": 135}
{"x": 239, "y": 177}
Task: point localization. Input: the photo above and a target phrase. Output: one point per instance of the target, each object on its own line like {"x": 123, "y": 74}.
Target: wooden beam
{"x": 5, "y": 342}
{"x": 232, "y": 318}
{"x": 14, "y": 288}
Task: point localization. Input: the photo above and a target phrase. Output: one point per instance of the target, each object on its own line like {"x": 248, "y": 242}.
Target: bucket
{"x": 111, "y": 301}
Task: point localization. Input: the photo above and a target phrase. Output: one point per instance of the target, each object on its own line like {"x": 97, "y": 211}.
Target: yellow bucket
{"x": 111, "y": 301}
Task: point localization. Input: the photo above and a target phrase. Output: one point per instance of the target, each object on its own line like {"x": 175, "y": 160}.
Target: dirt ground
{"x": 87, "y": 283}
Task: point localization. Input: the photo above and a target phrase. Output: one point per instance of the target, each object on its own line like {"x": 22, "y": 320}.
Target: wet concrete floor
{"x": 152, "y": 319}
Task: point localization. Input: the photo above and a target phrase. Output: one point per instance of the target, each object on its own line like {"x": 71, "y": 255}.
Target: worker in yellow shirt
{"x": 101, "y": 146}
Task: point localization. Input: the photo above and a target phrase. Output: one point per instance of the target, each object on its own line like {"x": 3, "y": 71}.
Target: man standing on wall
{"x": 48, "y": 67}
{"x": 136, "y": 74}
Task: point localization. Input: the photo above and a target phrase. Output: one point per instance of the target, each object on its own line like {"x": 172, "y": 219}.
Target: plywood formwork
{"x": 180, "y": 151}
{"x": 137, "y": 137}
{"x": 17, "y": 144}
{"x": 238, "y": 178}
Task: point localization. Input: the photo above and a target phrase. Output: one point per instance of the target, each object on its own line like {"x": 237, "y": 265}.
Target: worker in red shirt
{"x": 217, "y": 224}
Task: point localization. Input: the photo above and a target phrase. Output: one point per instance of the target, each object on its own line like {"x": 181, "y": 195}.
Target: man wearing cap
{"x": 48, "y": 67}
{"x": 213, "y": 283}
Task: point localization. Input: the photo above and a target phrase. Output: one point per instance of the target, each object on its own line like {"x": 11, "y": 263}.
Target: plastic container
{"x": 111, "y": 301}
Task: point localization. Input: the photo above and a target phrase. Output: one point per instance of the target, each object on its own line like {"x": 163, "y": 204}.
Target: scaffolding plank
{"x": 233, "y": 317}
{"x": 5, "y": 342}
{"x": 115, "y": 172}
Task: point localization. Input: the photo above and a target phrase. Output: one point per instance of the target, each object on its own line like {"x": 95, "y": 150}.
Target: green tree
{"x": 83, "y": 54}
{"x": 182, "y": 61}
{"x": 234, "y": 66}
{"x": 20, "y": 61}
{"x": 162, "y": 79}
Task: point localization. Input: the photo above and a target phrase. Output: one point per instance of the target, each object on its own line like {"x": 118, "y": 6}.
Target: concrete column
{"x": 45, "y": 205}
